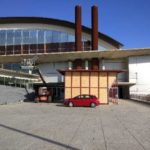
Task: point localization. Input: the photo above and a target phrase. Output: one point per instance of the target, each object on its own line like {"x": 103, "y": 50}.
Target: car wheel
{"x": 93, "y": 105}
{"x": 70, "y": 104}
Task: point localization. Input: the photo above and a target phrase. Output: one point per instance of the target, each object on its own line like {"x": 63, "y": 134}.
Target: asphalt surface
{"x": 42, "y": 126}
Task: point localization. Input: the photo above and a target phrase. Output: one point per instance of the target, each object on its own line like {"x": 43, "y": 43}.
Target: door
{"x": 121, "y": 92}
{"x": 77, "y": 101}
{"x": 86, "y": 100}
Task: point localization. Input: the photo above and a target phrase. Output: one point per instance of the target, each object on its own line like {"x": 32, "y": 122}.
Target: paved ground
{"x": 30, "y": 126}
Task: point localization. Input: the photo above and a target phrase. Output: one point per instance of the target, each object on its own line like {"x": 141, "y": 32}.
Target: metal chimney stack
{"x": 78, "y": 29}
{"x": 94, "y": 16}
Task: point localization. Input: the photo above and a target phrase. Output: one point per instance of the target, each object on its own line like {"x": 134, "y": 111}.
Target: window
{"x": 26, "y": 39}
{"x": 2, "y": 37}
{"x": 33, "y": 37}
{"x": 71, "y": 38}
{"x": 48, "y": 36}
{"x": 63, "y": 37}
{"x": 33, "y": 40}
{"x": 40, "y": 36}
{"x": 87, "y": 96}
{"x": 17, "y": 37}
{"x": 55, "y": 37}
{"x": 10, "y": 36}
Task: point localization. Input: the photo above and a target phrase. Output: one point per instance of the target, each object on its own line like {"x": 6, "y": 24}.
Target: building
{"x": 73, "y": 50}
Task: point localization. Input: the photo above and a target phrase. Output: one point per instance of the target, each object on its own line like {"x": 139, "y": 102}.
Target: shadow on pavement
{"x": 39, "y": 137}
{"x": 60, "y": 105}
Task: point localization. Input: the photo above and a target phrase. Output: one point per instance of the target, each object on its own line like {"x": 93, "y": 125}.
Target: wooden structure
{"x": 94, "y": 82}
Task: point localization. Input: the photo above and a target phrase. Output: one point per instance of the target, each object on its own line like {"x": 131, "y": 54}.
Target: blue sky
{"x": 127, "y": 21}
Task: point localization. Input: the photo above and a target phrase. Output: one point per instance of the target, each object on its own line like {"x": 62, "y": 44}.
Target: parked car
{"x": 83, "y": 100}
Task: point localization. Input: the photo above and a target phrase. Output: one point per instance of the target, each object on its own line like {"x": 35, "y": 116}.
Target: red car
{"x": 82, "y": 100}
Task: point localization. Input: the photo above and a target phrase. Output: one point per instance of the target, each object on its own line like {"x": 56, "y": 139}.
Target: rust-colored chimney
{"x": 78, "y": 29}
{"x": 94, "y": 17}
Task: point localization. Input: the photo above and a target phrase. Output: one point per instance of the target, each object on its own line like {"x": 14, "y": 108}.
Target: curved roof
{"x": 11, "y": 20}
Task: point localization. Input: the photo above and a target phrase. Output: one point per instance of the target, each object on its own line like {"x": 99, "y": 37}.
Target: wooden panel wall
{"x": 94, "y": 83}
{"x": 94, "y": 91}
{"x": 85, "y": 79}
{"x": 84, "y": 90}
{"x": 68, "y": 79}
{"x": 103, "y": 87}
{"x": 103, "y": 95}
{"x": 103, "y": 79}
{"x": 67, "y": 93}
{"x": 76, "y": 79}
{"x": 75, "y": 92}
{"x": 94, "y": 79}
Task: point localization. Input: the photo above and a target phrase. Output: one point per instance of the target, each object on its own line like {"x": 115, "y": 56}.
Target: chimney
{"x": 94, "y": 17}
{"x": 78, "y": 29}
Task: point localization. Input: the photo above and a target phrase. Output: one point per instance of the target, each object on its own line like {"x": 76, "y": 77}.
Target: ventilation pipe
{"x": 94, "y": 16}
{"x": 78, "y": 29}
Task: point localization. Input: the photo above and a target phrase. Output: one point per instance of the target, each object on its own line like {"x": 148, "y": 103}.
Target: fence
{"x": 140, "y": 97}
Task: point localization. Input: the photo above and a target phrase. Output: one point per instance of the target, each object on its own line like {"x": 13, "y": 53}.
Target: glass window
{"x": 55, "y": 37}
{"x": 10, "y": 35}
{"x": 33, "y": 37}
{"x": 40, "y": 36}
{"x": 71, "y": 38}
{"x": 2, "y": 37}
{"x": 48, "y": 36}
{"x": 84, "y": 38}
{"x": 87, "y": 96}
{"x": 26, "y": 37}
{"x": 17, "y": 37}
{"x": 63, "y": 37}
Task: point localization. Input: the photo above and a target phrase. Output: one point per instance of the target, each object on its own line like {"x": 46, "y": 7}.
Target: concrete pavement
{"x": 54, "y": 127}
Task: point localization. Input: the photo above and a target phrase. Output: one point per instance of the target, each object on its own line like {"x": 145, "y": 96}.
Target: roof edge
{"x": 44, "y": 20}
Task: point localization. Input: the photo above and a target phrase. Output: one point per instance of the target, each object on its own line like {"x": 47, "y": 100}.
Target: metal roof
{"x": 51, "y": 21}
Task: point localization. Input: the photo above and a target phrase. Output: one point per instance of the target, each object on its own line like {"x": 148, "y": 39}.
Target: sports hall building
{"x": 72, "y": 58}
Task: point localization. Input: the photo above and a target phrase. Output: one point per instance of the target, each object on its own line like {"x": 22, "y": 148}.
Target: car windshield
{"x": 79, "y": 97}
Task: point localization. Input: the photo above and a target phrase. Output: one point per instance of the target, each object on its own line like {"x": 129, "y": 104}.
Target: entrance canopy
{"x": 65, "y": 56}
{"x": 125, "y": 84}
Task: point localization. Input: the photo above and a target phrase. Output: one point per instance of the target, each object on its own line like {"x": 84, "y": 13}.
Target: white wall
{"x": 139, "y": 73}
{"x": 50, "y": 73}
{"x": 120, "y": 64}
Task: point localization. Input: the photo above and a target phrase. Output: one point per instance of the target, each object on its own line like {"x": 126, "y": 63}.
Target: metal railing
{"x": 140, "y": 97}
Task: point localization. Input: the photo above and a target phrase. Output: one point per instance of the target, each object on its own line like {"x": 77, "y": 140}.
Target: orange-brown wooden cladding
{"x": 94, "y": 83}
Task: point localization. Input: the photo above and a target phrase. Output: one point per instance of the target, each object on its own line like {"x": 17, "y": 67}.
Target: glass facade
{"x": 26, "y": 41}
{"x": 22, "y": 83}
{"x": 33, "y": 36}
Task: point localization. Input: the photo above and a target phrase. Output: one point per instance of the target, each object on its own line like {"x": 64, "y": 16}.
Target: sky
{"x": 127, "y": 21}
